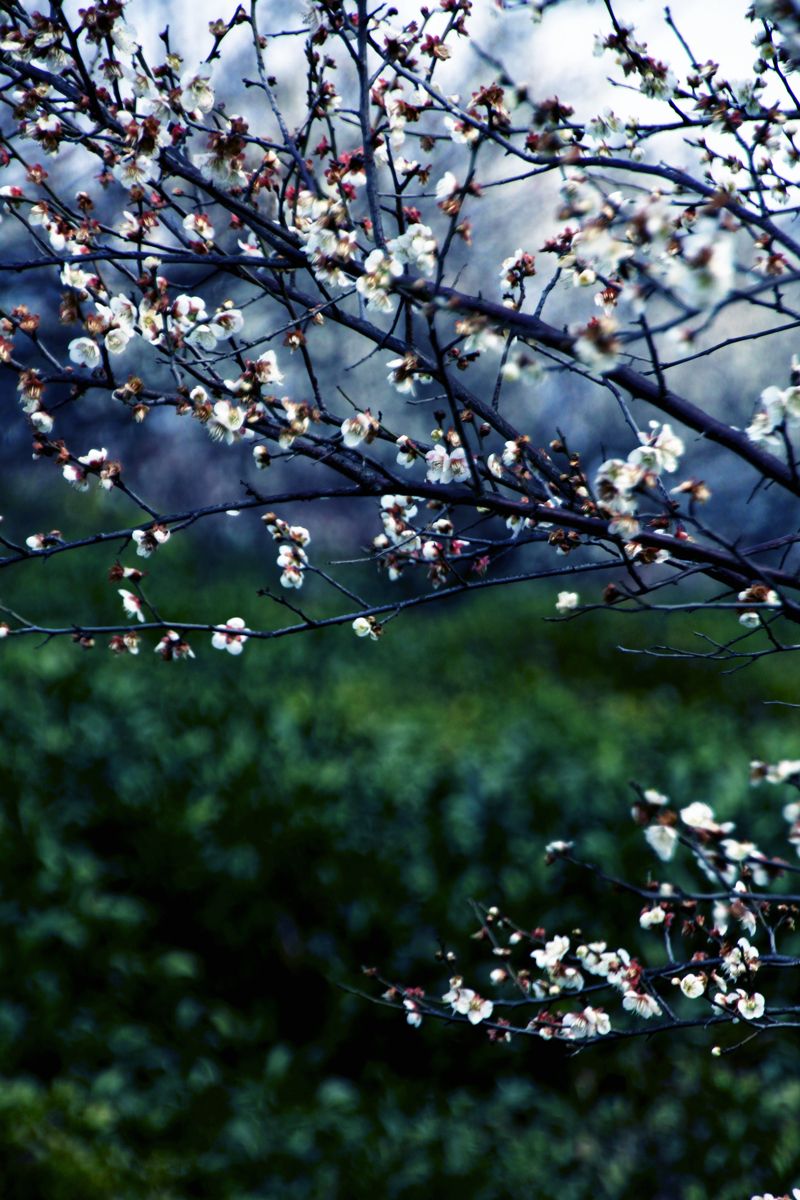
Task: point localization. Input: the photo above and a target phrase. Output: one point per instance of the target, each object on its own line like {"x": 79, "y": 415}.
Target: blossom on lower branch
{"x": 467, "y": 1002}
{"x": 230, "y": 638}
{"x": 592, "y": 1022}
{"x": 172, "y": 646}
{"x": 641, "y": 1003}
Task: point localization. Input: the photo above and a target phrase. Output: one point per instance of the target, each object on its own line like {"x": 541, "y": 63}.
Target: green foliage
{"x": 194, "y": 854}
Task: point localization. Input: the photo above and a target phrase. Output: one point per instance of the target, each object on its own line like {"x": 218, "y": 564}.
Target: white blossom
{"x": 663, "y": 839}
{"x": 231, "y": 639}
{"x": 693, "y": 986}
{"x": 132, "y": 604}
{"x": 85, "y": 352}
{"x": 641, "y": 1003}
{"x": 197, "y": 95}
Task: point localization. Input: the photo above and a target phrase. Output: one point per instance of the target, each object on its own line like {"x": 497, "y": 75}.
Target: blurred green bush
{"x": 193, "y": 855}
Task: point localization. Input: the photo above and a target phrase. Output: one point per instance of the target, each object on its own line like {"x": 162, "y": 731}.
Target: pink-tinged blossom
{"x": 227, "y": 323}
{"x": 147, "y": 540}
{"x": 132, "y": 604}
{"x": 407, "y": 451}
{"x": 413, "y": 1015}
{"x": 199, "y": 225}
{"x": 127, "y": 644}
{"x": 361, "y": 428}
{"x": 94, "y": 459}
{"x": 172, "y": 646}
{"x": 438, "y": 461}
{"x": 76, "y": 475}
{"x": 230, "y": 639}
{"x": 266, "y": 368}
{"x": 468, "y": 1003}
{"x": 459, "y": 466}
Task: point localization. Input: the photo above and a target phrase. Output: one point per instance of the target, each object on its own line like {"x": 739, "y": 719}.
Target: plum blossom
{"x": 567, "y": 601}
{"x": 197, "y": 95}
{"x": 116, "y": 341}
{"x": 550, "y": 958}
{"x": 693, "y": 986}
{"x": 374, "y": 284}
{"x": 40, "y": 541}
{"x": 460, "y": 132}
{"x": 751, "y": 1007}
{"x": 124, "y": 37}
{"x": 776, "y": 408}
{"x": 404, "y": 373}
{"x": 226, "y": 323}
{"x": 293, "y": 561}
{"x": 663, "y": 839}
{"x": 364, "y": 627}
{"x": 131, "y": 171}
{"x": 741, "y": 959}
{"x": 132, "y": 604}
{"x": 659, "y": 451}
{"x": 652, "y": 916}
{"x": 458, "y": 465}
{"x": 227, "y": 422}
{"x": 85, "y": 352}
{"x": 127, "y": 644}
{"x": 172, "y": 647}
{"x": 147, "y": 540}
{"x": 592, "y": 1022}
{"x": 701, "y": 816}
{"x": 76, "y": 475}
{"x": 230, "y": 638}
{"x": 361, "y": 428}
{"x": 468, "y": 1003}
{"x": 641, "y": 1003}
{"x": 416, "y": 247}
{"x": 199, "y": 224}
{"x": 266, "y": 368}
{"x": 407, "y": 451}
{"x": 438, "y": 461}
{"x": 413, "y": 1015}
{"x": 42, "y": 421}
{"x": 704, "y": 273}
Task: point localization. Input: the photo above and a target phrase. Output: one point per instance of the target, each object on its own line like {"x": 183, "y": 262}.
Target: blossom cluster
{"x": 555, "y": 972}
